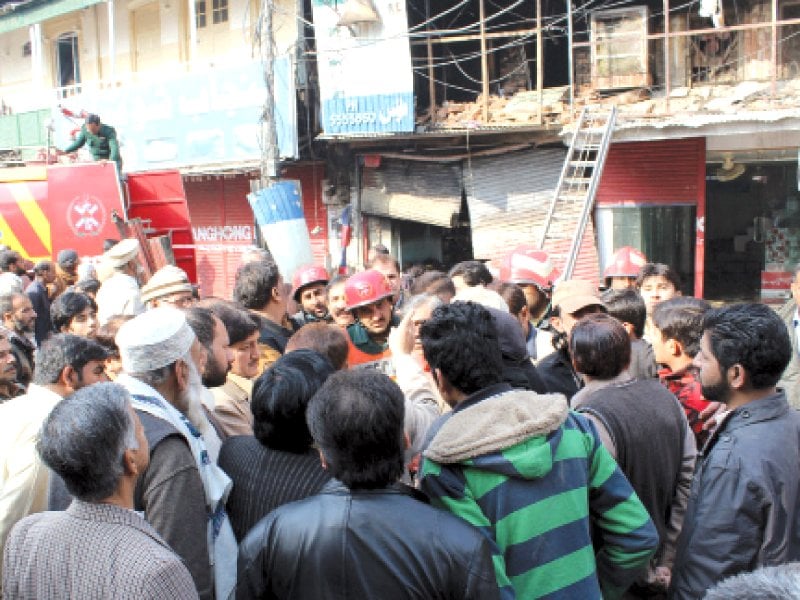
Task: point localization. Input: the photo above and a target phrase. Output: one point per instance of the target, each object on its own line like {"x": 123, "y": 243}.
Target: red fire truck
{"x": 48, "y": 208}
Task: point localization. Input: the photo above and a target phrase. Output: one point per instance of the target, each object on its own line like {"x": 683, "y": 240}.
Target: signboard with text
{"x": 366, "y": 81}
{"x": 191, "y": 119}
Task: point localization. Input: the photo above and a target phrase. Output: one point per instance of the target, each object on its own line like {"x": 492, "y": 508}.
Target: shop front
{"x": 652, "y": 197}
{"x": 752, "y": 225}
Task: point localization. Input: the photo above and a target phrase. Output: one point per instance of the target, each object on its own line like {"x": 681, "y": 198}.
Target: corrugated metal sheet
{"x": 508, "y": 198}
{"x": 413, "y": 191}
{"x": 663, "y": 172}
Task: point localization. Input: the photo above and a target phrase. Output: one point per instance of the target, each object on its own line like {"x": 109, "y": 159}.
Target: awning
{"x": 413, "y": 191}
{"x": 38, "y": 11}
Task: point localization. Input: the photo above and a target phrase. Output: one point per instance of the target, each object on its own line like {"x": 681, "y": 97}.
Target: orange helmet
{"x": 365, "y": 288}
{"x": 626, "y": 262}
{"x": 527, "y": 265}
{"x": 306, "y": 276}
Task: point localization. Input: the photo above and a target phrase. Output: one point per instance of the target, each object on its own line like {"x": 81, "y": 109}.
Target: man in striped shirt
{"x": 562, "y": 519}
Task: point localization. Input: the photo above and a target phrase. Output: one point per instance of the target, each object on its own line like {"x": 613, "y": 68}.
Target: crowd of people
{"x": 474, "y": 433}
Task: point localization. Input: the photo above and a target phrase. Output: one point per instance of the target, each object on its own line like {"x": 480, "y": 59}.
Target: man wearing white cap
{"x": 182, "y": 492}
{"x": 119, "y": 294}
{"x": 169, "y": 286}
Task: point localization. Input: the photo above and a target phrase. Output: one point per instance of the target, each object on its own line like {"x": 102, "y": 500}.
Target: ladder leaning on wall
{"x": 570, "y": 210}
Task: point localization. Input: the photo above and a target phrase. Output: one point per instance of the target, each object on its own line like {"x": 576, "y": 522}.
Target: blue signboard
{"x": 365, "y": 77}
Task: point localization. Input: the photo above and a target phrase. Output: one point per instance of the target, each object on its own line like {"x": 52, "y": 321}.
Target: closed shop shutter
{"x": 508, "y": 198}
{"x": 223, "y": 225}
{"x": 662, "y": 172}
{"x": 413, "y": 191}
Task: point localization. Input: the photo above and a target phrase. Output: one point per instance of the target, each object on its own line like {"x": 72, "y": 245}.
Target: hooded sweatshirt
{"x": 529, "y": 474}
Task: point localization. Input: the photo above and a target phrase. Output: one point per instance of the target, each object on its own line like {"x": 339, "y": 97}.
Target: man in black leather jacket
{"x": 364, "y": 535}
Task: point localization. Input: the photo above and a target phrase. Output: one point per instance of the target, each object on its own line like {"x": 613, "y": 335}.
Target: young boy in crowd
{"x": 629, "y": 309}
{"x": 677, "y": 332}
{"x": 657, "y": 282}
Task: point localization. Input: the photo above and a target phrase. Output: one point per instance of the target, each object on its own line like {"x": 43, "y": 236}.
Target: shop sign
{"x": 365, "y": 76}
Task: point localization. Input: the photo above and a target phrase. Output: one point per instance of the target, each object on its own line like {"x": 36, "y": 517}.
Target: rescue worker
{"x": 369, "y": 297}
{"x": 623, "y": 270}
{"x": 119, "y": 294}
{"x": 308, "y": 291}
{"x": 101, "y": 139}
{"x": 337, "y": 303}
{"x": 533, "y": 272}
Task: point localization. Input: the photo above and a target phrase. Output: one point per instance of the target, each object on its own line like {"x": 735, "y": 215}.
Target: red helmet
{"x": 527, "y": 265}
{"x": 365, "y": 288}
{"x": 626, "y": 262}
{"x": 306, "y": 276}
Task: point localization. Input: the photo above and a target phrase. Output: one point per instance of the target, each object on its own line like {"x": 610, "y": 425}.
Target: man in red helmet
{"x": 533, "y": 272}
{"x": 308, "y": 290}
{"x": 369, "y": 297}
{"x": 623, "y": 270}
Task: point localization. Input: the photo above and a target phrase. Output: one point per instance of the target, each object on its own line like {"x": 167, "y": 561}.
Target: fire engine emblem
{"x": 86, "y": 216}
{"x": 364, "y": 290}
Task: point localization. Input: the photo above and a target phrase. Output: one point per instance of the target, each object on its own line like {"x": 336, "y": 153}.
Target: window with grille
{"x": 200, "y": 14}
{"x": 219, "y": 11}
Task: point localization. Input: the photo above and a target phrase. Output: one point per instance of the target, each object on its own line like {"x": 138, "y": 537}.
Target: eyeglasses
{"x": 180, "y": 301}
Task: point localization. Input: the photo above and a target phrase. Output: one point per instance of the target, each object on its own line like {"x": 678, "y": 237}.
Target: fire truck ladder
{"x": 571, "y": 207}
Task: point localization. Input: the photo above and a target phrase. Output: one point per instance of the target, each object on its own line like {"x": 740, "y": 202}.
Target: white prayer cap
{"x": 481, "y": 295}
{"x": 154, "y": 339}
{"x": 167, "y": 280}
{"x": 122, "y": 253}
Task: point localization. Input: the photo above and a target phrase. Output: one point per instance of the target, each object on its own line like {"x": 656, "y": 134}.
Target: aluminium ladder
{"x": 570, "y": 210}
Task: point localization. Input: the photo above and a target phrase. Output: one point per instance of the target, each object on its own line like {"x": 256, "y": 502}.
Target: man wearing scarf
{"x": 182, "y": 492}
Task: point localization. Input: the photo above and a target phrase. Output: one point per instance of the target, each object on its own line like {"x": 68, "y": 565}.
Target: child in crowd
{"x": 629, "y": 309}
{"x": 657, "y": 282}
{"x": 678, "y": 329}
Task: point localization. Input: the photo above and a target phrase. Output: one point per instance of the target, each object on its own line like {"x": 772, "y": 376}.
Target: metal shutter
{"x": 508, "y": 198}
{"x": 412, "y": 191}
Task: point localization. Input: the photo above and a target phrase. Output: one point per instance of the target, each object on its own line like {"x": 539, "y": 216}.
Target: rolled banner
{"x": 278, "y": 210}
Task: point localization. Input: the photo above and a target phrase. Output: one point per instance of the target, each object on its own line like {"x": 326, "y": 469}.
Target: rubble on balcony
{"x": 702, "y": 105}
{"x": 520, "y": 109}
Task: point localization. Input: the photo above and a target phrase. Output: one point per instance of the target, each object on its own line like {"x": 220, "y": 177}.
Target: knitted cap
{"x": 167, "y": 280}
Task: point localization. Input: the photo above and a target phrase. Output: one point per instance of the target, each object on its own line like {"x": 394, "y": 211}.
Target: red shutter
{"x": 661, "y": 172}
{"x": 223, "y": 225}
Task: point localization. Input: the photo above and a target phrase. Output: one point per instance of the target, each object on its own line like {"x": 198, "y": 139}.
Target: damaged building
{"x": 702, "y": 168}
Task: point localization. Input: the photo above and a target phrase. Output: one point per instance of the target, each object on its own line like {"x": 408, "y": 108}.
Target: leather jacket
{"x": 744, "y": 507}
{"x": 382, "y": 543}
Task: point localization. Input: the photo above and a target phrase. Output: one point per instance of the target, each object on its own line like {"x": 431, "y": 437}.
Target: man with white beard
{"x": 182, "y": 492}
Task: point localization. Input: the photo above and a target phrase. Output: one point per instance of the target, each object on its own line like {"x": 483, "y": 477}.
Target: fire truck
{"x": 51, "y": 207}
